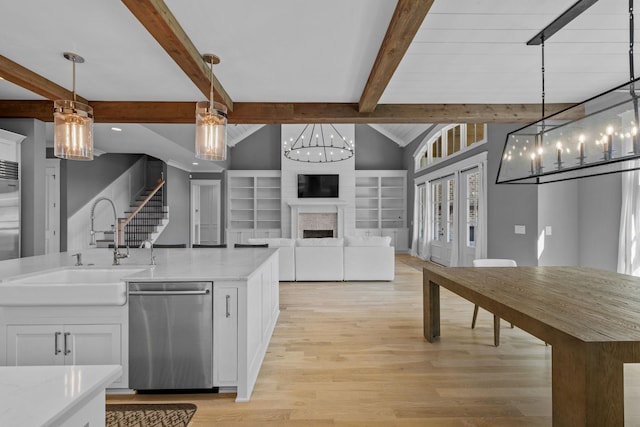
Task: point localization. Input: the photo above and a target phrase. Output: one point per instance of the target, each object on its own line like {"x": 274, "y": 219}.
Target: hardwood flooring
{"x": 353, "y": 354}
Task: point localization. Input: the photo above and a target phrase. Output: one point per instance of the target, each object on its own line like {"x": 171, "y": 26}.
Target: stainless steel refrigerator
{"x": 9, "y": 210}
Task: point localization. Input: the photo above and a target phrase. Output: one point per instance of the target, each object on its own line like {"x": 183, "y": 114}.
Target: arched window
{"x": 448, "y": 141}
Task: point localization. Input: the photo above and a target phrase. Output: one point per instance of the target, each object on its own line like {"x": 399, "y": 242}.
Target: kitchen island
{"x": 54, "y": 395}
{"x": 61, "y": 330}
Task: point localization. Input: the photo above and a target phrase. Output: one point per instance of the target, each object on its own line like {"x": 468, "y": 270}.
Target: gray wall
{"x": 32, "y": 175}
{"x": 558, "y": 209}
{"x": 509, "y": 205}
{"x": 259, "y": 151}
{"x": 86, "y": 179}
{"x": 375, "y": 151}
{"x": 178, "y": 197}
{"x": 599, "y": 203}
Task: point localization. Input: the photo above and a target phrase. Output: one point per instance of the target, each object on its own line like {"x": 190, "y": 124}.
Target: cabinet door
{"x": 32, "y": 345}
{"x": 92, "y": 345}
{"x": 225, "y": 324}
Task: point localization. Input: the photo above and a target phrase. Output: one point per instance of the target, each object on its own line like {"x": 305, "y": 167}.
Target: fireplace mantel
{"x": 316, "y": 202}
{"x": 317, "y": 206}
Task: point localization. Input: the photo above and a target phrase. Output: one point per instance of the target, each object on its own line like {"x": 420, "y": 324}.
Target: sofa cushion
{"x": 273, "y": 242}
{"x": 327, "y": 241}
{"x": 367, "y": 241}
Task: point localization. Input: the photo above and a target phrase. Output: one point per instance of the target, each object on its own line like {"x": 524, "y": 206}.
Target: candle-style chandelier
{"x": 596, "y": 137}
{"x": 318, "y": 143}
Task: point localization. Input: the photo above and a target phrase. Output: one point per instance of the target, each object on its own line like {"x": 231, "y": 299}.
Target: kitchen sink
{"x": 68, "y": 286}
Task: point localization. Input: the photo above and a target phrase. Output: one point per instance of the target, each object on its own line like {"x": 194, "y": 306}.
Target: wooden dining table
{"x": 590, "y": 317}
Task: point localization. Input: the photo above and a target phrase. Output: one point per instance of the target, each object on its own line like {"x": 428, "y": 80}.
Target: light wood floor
{"x": 353, "y": 354}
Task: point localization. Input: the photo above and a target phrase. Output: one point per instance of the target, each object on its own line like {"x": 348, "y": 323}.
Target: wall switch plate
{"x": 548, "y": 230}
{"x": 520, "y": 229}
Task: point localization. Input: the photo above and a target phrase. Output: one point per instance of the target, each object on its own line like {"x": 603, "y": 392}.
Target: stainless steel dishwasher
{"x": 170, "y": 335}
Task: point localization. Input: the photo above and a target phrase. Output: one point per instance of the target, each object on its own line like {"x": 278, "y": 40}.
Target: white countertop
{"x": 171, "y": 264}
{"x": 43, "y": 395}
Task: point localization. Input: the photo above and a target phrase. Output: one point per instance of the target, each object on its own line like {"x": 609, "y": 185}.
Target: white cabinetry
{"x": 63, "y": 345}
{"x": 381, "y": 206}
{"x": 32, "y": 336}
{"x": 225, "y": 325}
{"x": 253, "y": 205}
{"x": 244, "y": 317}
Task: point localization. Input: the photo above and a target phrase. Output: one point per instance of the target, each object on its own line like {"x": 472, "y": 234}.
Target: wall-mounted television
{"x": 317, "y": 185}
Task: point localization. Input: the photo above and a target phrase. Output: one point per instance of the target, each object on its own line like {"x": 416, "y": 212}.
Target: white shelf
{"x": 254, "y": 208}
{"x": 381, "y": 207}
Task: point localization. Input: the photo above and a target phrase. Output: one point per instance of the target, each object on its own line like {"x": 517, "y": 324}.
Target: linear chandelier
{"x": 596, "y": 137}
{"x": 211, "y": 122}
{"x": 318, "y": 143}
{"x": 73, "y": 123}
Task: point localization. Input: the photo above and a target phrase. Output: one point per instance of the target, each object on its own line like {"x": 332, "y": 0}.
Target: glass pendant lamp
{"x": 211, "y": 123}
{"x": 73, "y": 123}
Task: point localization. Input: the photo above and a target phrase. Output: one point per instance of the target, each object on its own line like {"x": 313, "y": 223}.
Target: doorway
{"x": 205, "y": 211}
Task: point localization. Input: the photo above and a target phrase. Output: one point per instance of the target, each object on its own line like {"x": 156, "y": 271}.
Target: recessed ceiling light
{"x": 116, "y": 129}
{"x": 195, "y": 163}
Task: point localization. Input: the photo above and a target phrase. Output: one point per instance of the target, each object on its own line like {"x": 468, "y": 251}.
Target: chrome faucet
{"x": 152, "y": 260}
{"x": 117, "y": 255}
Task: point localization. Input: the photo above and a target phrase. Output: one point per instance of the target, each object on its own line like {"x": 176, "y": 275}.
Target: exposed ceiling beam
{"x": 281, "y": 113}
{"x": 27, "y": 79}
{"x": 156, "y": 17}
{"x": 403, "y": 27}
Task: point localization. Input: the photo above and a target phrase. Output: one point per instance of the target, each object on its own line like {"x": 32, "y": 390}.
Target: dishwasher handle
{"x": 163, "y": 293}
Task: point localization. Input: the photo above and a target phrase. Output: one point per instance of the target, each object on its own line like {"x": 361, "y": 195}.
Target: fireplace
{"x": 315, "y": 234}
{"x": 317, "y": 216}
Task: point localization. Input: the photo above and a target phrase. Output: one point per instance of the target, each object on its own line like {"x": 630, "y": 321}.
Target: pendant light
{"x": 599, "y": 136}
{"x": 211, "y": 123}
{"x": 73, "y": 123}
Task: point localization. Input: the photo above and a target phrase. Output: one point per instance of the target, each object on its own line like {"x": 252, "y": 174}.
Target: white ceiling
{"x": 466, "y": 51}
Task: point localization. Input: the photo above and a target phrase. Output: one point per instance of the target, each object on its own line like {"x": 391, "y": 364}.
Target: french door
{"x": 443, "y": 219}
{"x": 450, "y": 215}
{"x": 470, "y": 182}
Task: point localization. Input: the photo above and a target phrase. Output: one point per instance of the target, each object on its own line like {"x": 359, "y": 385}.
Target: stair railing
{"x": 122, "y": 222}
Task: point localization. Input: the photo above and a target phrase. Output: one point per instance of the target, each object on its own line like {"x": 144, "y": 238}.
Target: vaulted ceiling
{"x": 388, "y": 63}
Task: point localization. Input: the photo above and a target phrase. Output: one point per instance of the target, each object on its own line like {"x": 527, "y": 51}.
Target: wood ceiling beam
{"x": 287, "y": 113}
{"x": 27, "y": 79}
{"x": 404, "y": 25}
{"x": 156, "y": 17}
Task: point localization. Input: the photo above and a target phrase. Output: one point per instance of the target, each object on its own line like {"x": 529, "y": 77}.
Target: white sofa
{"x": 285, "y": 256}
{"x": 369, "y": 258}
{"x": 319, "y": 259}
{"x": 333, "y": 259}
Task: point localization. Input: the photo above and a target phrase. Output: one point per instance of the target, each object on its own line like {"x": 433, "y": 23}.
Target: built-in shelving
{"x": 254, "y": 205}
{"x": 381, "y": 206}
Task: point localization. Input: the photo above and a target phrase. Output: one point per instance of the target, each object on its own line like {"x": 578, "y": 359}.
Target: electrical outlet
{"x": 520, "y": 229}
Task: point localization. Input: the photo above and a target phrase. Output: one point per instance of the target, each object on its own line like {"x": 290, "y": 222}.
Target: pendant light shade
{"x": 211, "y": 123}
{"x": 211, "y": 131}
{"x": 73, "y": 123}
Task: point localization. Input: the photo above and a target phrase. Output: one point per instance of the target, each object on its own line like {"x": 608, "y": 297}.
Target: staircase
{"x": 145, "y": 219}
